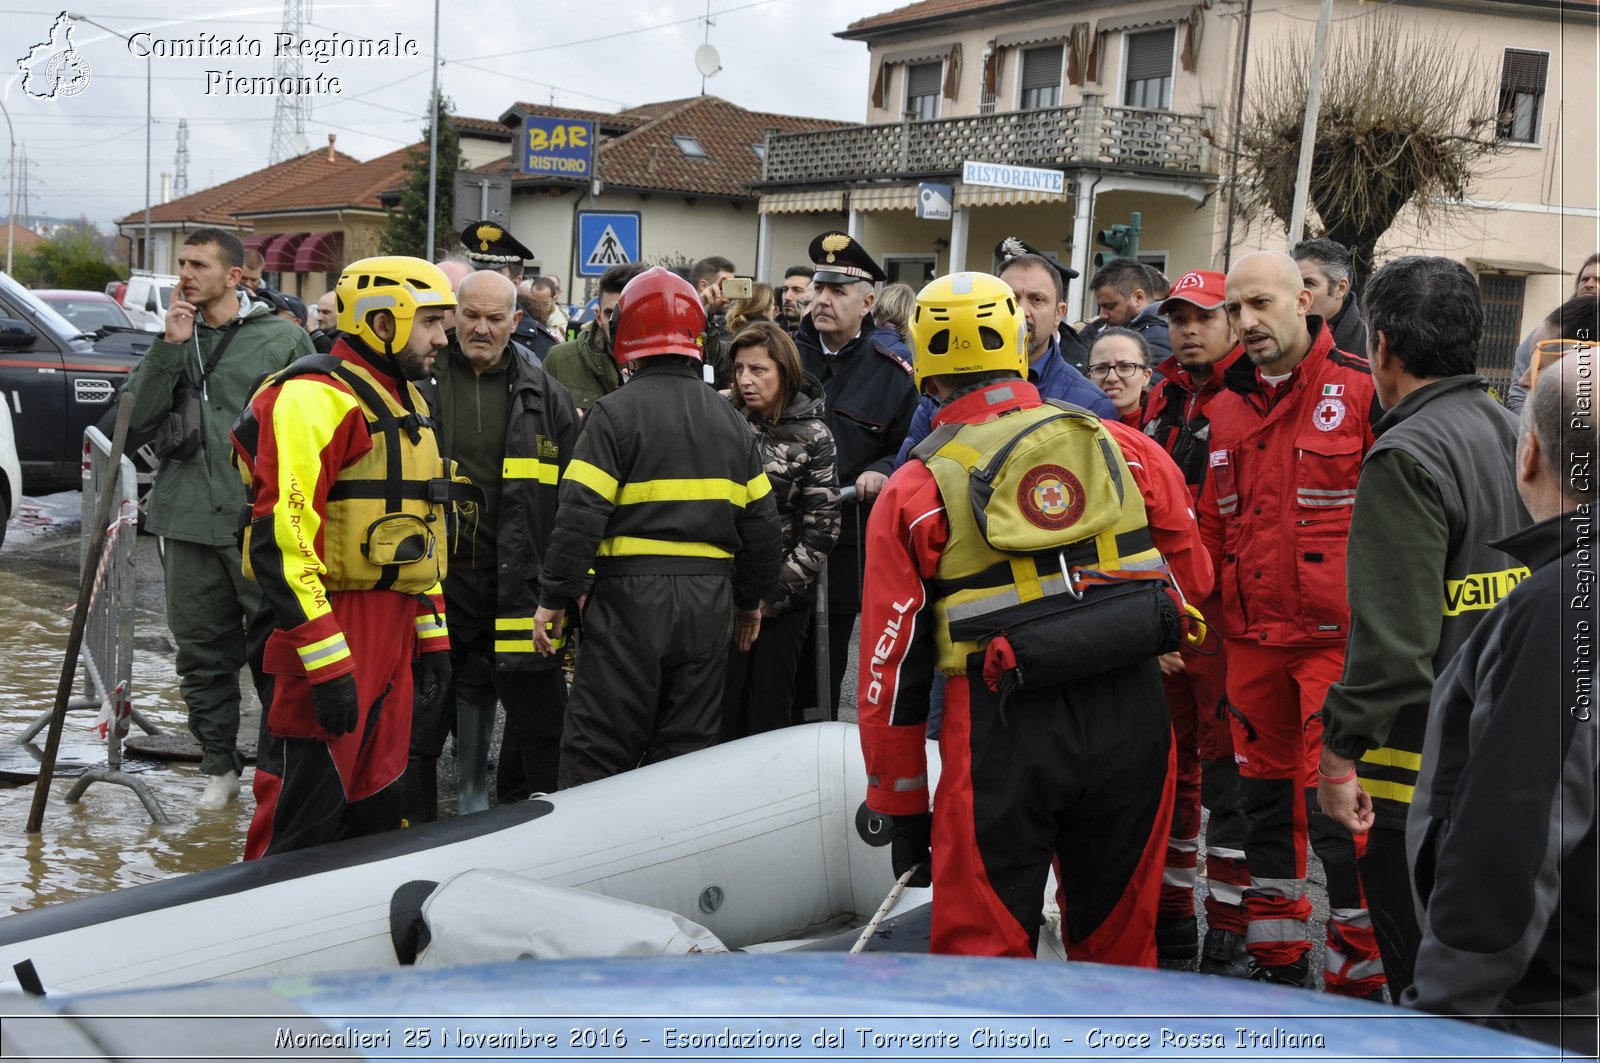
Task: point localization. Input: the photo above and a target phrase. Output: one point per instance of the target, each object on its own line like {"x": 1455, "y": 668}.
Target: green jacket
{"x": 587, "y": 371}
{"x": 199, "y": 500}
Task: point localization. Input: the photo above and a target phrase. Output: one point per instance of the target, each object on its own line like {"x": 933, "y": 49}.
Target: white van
{"x": 147, "y": 298}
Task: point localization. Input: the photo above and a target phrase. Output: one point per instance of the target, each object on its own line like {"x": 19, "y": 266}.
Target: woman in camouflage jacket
{"x": 783, "y": 405}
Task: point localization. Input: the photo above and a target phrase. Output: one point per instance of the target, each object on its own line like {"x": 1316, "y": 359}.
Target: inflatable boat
{"x": 764, "y": 843}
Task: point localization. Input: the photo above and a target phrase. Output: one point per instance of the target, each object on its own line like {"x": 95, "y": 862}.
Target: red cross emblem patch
{"x": 1050, "y": 497}
{"x": 1329, "y": 414}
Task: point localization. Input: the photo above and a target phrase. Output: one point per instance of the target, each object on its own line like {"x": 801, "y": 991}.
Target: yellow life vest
{"x": 1032, "y": 499}
{"x": 385, "y": 520}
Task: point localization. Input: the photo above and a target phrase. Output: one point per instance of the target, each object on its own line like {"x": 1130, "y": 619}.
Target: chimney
{"x": 166, "y": 187}
{"x": 331, "y": 138}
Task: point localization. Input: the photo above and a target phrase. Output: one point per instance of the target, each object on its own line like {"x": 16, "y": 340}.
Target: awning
{"x": 1059, "y": 31}
{"x": 1163, "y": 16}
{"x": 800, "y": 202}
{"x": 982, "y": 196}
{"x": 900, "y": 198}
{"x": 320, "y": 253}
{"x": 1509, "y": 265}
{"x": 280, "y": 252}
{"x": 256, "y": 241}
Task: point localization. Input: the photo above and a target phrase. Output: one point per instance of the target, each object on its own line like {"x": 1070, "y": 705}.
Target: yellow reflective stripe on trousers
{"x": 632, "y": 546}
{"x": 708, "y": 489}
{"x": 594, "y": 478}
{"x": 546, "y": 472}
{"x": 522, "y": 643}
{"x": 328, "y": 651}
{"x": 1389, "y": 757}
{"x": 1384, "y": 790}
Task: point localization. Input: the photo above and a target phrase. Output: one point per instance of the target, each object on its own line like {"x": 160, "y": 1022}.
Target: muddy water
{"x": 106, "y": 839}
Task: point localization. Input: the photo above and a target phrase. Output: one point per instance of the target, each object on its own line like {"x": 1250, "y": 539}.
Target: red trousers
{"x": 1276, "y": 694}
{"x": 311, "y": 787}
{"x": 1079, "y": 775}
{"x": 1206, "y": 776}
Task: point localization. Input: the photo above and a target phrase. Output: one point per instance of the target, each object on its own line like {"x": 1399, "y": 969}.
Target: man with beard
{"x": 217, "y": 343}
{"x": 1288, "y": 434}
{"x": 348, "y": 510}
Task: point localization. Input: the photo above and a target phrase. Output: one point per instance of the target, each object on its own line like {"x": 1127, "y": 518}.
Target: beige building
{"x": 684, "y": 166}
{"x": 1127, "y": 101}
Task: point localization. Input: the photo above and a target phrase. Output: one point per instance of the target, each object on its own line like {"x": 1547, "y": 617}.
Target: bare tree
{"x": 1405, "y": 120}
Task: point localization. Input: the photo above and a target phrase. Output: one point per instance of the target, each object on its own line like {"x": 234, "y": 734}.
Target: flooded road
{"x": 105, "y": 840}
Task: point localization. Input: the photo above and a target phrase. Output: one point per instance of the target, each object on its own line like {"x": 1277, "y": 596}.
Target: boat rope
{"x": 883, "y": 910}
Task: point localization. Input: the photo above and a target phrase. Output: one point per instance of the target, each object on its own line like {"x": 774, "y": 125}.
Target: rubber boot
{"x": 474, "y": 731}
{"x": 421, "y": 790}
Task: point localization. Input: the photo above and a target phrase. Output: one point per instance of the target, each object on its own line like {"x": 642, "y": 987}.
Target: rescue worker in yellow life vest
{"x": 346, "y": 536}
{"x": 1040, "y": 558}
{"x": 666, "y": 500}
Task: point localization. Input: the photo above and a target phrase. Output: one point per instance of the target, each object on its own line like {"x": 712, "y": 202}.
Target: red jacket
{"x": 905, "y": 535}
{"x": 1178, "y": 416}
{"x": 1283, "y": 465}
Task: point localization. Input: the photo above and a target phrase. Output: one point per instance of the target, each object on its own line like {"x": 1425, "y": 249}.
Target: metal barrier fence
{"x": 106, "y": 661}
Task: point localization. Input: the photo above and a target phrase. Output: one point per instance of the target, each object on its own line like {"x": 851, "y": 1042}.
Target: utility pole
{"x": 433, "y": 136}
{"x": 1308, "y": 131}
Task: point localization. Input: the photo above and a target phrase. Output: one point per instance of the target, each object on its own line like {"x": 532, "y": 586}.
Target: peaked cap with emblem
{"x": 840, "y": 259}
{"x": 1015, "y": 247}
{"x": 491, "y": 247}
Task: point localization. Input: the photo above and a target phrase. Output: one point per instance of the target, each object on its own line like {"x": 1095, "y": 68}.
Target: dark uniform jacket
{"x": 1436, "y": 489}
{"x": 540, "y": 435}
{"x": 868, "y": 403}
{"x": 797, "y": 452}
{"x": 1501, "y": 837}
{"x": 1349, "y": 331}
{"x": 665, "y": 479}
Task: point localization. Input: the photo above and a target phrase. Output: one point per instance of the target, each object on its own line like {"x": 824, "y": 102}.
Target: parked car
{"x": 10, "y": 471}
{"x": 88, "y": 311}
{"x": 147, "y": 298}
{"x": 57, "y": 380}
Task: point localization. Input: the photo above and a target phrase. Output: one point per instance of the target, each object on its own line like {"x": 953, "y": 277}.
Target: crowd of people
{"x": 1246, "y": 546}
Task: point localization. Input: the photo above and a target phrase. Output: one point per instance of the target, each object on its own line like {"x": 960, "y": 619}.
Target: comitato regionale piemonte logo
{"x": 55, "y": 68}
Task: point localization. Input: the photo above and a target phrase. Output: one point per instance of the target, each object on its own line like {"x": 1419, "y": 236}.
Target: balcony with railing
{"x": 1088, "y": 134}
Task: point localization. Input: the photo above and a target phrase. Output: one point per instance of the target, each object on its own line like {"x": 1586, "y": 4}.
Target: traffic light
{"x": 1123, "y": 240}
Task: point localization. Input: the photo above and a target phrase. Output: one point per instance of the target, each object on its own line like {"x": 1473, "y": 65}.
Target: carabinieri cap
{"x": 491, "y": 247}
{"x": 840, "y": 259}
{"x": 1015, "y": 246}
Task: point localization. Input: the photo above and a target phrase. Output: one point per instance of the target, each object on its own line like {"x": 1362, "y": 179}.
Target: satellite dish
{"x": 707, "y": 61}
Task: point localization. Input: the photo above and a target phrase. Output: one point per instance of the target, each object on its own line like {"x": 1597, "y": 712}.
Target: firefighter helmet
{"x": 968, "y": 323}
{"x": 395, "y": 283}
{"x": 659, "y": 313}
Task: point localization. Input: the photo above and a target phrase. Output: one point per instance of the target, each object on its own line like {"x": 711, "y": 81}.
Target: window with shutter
{"x": 1041, "y": 78}
{"x": 1522, "y": 83}
{"x": 1148, "y": 78}
{"x": 923, "y": 82}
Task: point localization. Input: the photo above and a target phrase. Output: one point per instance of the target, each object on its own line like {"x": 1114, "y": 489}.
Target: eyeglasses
{"x": 1548, "y": 352}
{"x": 1126, "y": 370}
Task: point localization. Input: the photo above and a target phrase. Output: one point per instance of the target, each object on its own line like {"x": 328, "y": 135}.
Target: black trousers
{"x": 649, "y": 678}
{"x": 1386, "y": 880}
{"x": 759, "y": 692}
{"x": 535, "y": 700}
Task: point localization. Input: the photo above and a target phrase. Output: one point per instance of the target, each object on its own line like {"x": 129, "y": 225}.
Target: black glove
{"x": 910, "y": 845}
{"x": 435, "y": 669}
{"x": 337, "y": 706}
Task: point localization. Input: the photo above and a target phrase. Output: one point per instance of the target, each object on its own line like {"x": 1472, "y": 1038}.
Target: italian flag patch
{"x": 1332, "y": 390}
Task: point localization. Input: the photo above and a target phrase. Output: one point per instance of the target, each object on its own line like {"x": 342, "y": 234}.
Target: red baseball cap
{"x": 1205, "y": 288}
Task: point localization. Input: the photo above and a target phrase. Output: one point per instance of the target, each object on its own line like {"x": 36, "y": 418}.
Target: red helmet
{"x": 659, "y": 313}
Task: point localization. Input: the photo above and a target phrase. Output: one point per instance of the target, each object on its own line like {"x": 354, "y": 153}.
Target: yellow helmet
{"x": 395, "y": 283}
{"x": 968, "y": 323}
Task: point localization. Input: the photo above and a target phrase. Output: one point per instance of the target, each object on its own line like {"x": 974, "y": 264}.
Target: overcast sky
{"x": 86, "y": 154}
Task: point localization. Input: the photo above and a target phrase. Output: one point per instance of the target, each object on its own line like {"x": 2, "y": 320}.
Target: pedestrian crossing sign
{"x": 606, "y": 239}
